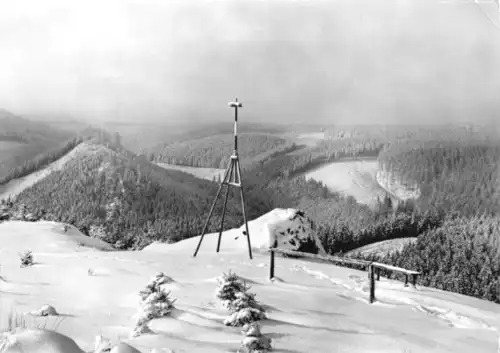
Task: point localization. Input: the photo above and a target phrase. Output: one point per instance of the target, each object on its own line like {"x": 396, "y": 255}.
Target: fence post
{"x": 372, "y": 283}
{"x": 406, "y": 280}
{"x": 414, "y": 280}
{"x": 378, "y": 274}
{"x": 271, "y": 265}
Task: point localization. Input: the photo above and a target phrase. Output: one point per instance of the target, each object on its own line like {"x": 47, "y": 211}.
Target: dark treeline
{"x": 405, "y": 133}
{"x": 459, "y": 177}
{"x": 257, "y": 149}
{"x": 347, "y": 232}
{"x": 459, "y": 183}
{"x": 462, "y": 256}
{"x": 327, "y": 151}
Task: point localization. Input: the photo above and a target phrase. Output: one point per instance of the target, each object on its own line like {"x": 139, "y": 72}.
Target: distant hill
{"x": 139, "y": 137}
{"x": 22, "y": 139}
{"x": 214, "y": 151}
{"x": 24, "y": 130}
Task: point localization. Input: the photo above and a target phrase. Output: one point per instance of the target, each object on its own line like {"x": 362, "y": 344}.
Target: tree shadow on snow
{"x": 277, "y": 279}
{"x": 284, "y": 350}
{"x": 97, "y": 274}
{"x": 272, "y": 322}
{"x": 275, "y": 335}
{"x": 14, "y": 293}
{"x": 65, "y": 315}
{"x": 250, "y": 281}
{"x": 60, "y": 315}
{"x": 270, "y": 308}
{"x": 317, "y": 312}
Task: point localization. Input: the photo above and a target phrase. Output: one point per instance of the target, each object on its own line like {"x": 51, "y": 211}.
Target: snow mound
{"x": 38, "y": 341}
{"x": 289, "y": 228}
{"x": 46, "y": 236}
{"x": 45, "y": 310}
{"x": 103, "y": 345}
{"x": 124, "y": 348}
{"x": 311, "y": 299}
{"x": 295, "y": 232}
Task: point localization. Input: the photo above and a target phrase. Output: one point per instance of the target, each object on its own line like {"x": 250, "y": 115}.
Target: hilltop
{"x": 109, "y": 192}
{"x": 332, "y": 313}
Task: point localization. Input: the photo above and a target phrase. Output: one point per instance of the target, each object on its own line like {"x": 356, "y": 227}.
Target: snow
{"x": 40, "y": 341}
{"x": 234, "y": 239}
{"x": 199, "y": 172}
{"x": 390, "y": 182}
{"x": 355, "y": 178}
{"x": 311, "y": 307}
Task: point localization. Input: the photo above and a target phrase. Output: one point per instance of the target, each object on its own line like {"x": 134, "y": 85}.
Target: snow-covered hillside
{"x": 312, "y": 307}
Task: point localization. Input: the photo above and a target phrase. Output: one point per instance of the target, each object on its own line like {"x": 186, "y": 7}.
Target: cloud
{"x": 323, "y": 61}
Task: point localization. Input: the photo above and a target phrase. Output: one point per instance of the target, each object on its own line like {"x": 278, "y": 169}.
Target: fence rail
{"x": 373, "y": 267}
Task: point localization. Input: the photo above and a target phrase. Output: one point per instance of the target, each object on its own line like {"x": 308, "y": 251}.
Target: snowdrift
{"x": 311, "y": 307}
{"x": 277, "y": 226}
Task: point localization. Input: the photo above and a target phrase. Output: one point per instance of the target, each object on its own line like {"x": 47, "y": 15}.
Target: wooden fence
{"x": 372, "y": 267}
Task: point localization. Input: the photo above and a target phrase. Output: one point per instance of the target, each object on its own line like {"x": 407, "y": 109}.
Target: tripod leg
{"x": 231, "y": 165}
{"x": 210, "y": 213}
{"x": 244, "y": 211}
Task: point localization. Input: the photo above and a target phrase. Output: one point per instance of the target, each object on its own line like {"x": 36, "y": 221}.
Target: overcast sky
{"x": 315, "y": 61}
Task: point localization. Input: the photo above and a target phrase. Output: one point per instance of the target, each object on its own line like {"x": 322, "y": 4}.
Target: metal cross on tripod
{"x": 232, "y": 177}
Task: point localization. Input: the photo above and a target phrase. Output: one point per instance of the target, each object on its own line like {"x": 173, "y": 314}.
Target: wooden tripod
{"x": 232, "y": 177}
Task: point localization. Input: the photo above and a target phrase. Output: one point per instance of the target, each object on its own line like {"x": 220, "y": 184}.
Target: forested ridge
{"x": 459, "y": 183}
{"x": 214, "y": 151}
{"x": 255, "y": 150}
{"x": 153, "y": 137}
{"x": 457, "y": 176}
{"x": 127, "y": 202}
{"x": 462, "y": 256}
{"x": 41, "y": 160}
{"x": 459, "y": 179}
